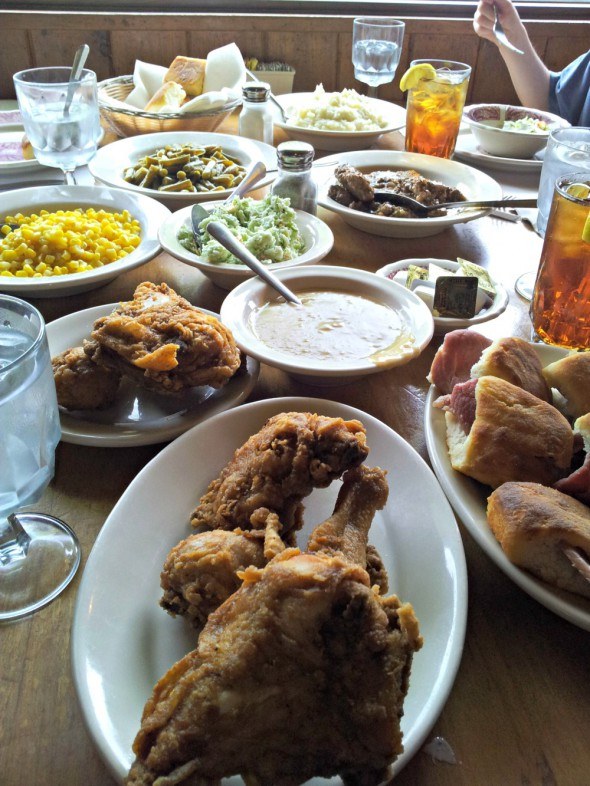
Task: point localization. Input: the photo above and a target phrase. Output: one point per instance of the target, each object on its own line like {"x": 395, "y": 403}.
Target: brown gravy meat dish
{"x": 355, "y": 190}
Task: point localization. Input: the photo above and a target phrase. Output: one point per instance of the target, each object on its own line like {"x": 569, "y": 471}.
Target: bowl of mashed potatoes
{"x": 344, "y": 120}
{"x": 270, "y": 228}
{"x": 511, "y": 131}
{"x": 350, "y": 323}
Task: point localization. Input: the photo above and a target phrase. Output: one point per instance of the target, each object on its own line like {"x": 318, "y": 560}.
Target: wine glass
{"x": 39, "y": 554}
{"x": 60, "y": 116}
{"x": 376, "y": 50}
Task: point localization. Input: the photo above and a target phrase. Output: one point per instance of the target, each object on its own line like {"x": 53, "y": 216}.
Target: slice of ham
{"x": 578, "y": 483}
{"x": 462, "y": 403}
{"x": 460, "y": 350}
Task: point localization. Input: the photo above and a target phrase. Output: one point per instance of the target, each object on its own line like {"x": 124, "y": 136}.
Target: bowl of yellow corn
{"x": 179, "y": 169}
{"x": 61, "y": 240}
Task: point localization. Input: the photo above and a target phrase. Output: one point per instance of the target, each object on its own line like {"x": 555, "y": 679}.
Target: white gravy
{"x": 332, "y": 326}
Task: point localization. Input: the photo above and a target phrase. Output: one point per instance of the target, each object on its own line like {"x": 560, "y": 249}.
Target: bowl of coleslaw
{"x": 275, "y": 233}
{"x": 511, "y": 131}
{"x": 344, "y": 120}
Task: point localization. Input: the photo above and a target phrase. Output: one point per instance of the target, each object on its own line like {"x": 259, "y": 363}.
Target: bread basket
{"x": 127, "y": 121}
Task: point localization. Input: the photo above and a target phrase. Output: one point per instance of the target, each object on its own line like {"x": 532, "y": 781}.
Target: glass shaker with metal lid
{"x": 255, "y": 121}
{"x": 295, "y": 180}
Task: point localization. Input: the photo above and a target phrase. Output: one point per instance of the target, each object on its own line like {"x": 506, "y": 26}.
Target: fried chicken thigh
{"x": 80, "y": 383}
{"x": 302, "y": 672}
{"x": 276, "y": 468}
{"x": 163, "y": 342}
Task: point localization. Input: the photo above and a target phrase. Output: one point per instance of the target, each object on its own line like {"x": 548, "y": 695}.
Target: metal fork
{"x": 511, "y": 214}
{"x": 501, "y": 35}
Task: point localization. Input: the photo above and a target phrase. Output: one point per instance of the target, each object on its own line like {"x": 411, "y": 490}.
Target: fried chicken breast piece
{"x": 276, "y": 468}
{"x": 82, "y": 384}
{"x": 302, "y": 672}
{"x": 164, "y": 343}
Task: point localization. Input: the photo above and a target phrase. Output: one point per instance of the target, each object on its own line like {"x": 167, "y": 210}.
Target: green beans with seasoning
{"x": 176, "y": 168}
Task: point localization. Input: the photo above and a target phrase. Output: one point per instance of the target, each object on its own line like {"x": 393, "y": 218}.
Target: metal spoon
{"x": 383, "y": 195}
{"x": 256, "y": 172}
{"x": 500, "y": 35}
{"x": 79, "y": 62}
{"x": 222, "y": 234}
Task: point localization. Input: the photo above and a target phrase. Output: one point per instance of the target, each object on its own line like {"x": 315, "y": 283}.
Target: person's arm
{"x": 529, "y": 74}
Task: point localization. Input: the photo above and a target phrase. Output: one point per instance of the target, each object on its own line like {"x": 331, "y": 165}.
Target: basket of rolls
{"x": 191, "y": 94}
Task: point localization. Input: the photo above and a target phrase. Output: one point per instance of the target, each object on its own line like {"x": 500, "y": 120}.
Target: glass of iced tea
{"x": 560, "y": 308}
{"x": 434, "y": 108}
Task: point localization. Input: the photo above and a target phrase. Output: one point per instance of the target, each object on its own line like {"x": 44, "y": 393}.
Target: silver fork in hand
{"x": 501, "y": 35}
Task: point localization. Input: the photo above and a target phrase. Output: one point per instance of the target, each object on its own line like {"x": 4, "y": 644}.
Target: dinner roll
{"x": 514, "y": 437}
{"x": 188, "y": 72}
{"x": 515, "y": 361}
{"x": 533, "y": 524}
{"x": 167, "y": 99}
{"x": 571, "y": 376}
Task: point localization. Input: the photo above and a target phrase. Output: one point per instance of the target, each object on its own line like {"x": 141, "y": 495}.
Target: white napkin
{"x": 213, "y": 100}
{"x": 225, "y": 68}
{"x": 147, "y": 80}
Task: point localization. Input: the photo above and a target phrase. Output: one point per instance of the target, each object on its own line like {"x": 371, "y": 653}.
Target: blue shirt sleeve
{"x": 569, "y": 91}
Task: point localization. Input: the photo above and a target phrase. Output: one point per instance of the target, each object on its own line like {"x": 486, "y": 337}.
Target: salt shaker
{"x": 294, "y": 160}
{"x": 256, "y": 121}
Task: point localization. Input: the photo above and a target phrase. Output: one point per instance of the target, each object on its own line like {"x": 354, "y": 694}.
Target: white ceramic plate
{"x": 112, "y": 160}
{"x": 415, "y": 317}
{"x": 468, "y": 150}
{"x": 147, "y": 211}
{"x": 11, "y": 158}
{"x": 120, "y": 649}
{"x": 393, "y": 115}
{"x": 444, "y": 324}
{"x": 469, "y": 499}
{"x": 138, "y": 416}
{"x": 317, "y": 236}
{"x": 471, "y": 182}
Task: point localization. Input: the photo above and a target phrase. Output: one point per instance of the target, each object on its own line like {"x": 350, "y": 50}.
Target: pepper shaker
{"x": 295, "y": 181}
{"x": 256, "y": 121}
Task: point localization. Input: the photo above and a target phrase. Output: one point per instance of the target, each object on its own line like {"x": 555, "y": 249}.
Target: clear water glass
{"x": 61, "y": 118}
{"x": 38, "y": 554}
{"x": 568, "y": 150}
{"x": 376, "y": 50}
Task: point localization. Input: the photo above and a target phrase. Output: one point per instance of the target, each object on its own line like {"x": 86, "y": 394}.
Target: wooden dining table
{"x": 518, "y": 712}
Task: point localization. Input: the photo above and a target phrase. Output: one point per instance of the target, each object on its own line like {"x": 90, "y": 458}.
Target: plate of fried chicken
{"x": 261, "y": 641}
{"x": 350, "y": 189}
{"x": 143, "y": 371}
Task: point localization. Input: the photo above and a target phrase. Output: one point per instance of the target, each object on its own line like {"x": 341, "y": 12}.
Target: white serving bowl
{"x": 147, "y": 211}
{"x": 444, "y": 324}
{"x": 394, "y": 116}
{"x": 486, "y": 122}
{"x": 239, "y": 305}
{"x": 471, "y": 182}
{"x": 111, "y": 161}
{"x": 317, "y": 236}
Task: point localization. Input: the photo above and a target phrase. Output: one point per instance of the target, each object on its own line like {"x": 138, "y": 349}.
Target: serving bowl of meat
{"x": 350, "y": 190}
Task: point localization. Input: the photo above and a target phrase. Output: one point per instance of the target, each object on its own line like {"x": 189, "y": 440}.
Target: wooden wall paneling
{"x": 314, "y": 55}
{"x": 561, "y": 50}
{"x": 13, "y": 58}
{"x": 490, "y": 78}
{"x": 151, "y": 46}
{"x": 250, "y": 43}
{"x": 457, "y": 46}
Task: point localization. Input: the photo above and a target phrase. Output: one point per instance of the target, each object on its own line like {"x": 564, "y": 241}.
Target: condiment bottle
{"x": 294, "y": 160}
{"x": 256, "y": 120}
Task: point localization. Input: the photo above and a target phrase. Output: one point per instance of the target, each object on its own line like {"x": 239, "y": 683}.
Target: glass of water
{"x": 60, "y": 117}
{"x": 39, "y": 554}
{"x": 568, "y": 150}
{"x": 376, "y": 50}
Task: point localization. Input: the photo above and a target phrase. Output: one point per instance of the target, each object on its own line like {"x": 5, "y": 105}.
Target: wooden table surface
{"x": 518, "y": 711}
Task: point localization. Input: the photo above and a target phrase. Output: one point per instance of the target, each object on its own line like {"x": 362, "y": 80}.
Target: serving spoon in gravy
{"x": 384, "y": 195}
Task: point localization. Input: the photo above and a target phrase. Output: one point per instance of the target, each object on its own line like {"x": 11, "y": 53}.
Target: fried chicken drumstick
{"x": 163, "y": 342}
{"x": 276, "y": 468}
{"x": 302, "y": 672}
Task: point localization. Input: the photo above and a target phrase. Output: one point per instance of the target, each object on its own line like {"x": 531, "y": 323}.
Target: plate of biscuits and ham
{"x": 507, "y": 428}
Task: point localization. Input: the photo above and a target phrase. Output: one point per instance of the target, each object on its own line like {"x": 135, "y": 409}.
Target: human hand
{"x": 483, "y": 21}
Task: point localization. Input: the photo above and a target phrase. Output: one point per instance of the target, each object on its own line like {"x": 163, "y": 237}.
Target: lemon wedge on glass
{"x": 415, "y": 74}
{"x": 586, "y": 230}
{"x": 578, "y": 190}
